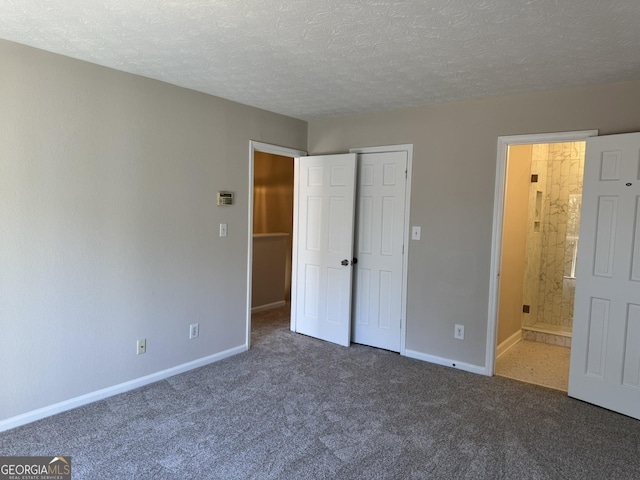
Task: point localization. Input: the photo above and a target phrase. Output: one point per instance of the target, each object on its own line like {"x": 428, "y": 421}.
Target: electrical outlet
{"x": 194, "y": 331}
{"x": 459, "y": 332}
{"x": 141, "y": 346}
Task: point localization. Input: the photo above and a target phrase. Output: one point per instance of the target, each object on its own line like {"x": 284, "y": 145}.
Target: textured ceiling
{"x": 312, "y": 59}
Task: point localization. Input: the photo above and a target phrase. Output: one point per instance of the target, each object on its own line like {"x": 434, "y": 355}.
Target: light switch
{"x": 223, "y": 229}
{"x": 415, "y": 233}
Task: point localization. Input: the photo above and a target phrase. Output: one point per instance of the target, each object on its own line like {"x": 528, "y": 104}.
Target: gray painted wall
{"x": 452, "y": 193}
{"x": 109, "y": 228}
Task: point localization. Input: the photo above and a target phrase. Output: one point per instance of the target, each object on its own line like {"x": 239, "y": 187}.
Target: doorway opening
{"x": 270, "y": 208}
{"x": 536, "y": 221}
{"x": 539, "y": 252}
{"x": 272, "y": 231}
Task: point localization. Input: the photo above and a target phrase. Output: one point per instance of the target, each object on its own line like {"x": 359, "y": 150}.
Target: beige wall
{"x": 453, "y": 188}
{"x": 273, "y": 194}
{"x": 514, "y": 241}
{"x": 269, "y": 263}
{"x": 109, "y": 222}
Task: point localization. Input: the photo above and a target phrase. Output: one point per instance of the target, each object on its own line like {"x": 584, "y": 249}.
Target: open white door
{"x": 323, "y": 245}
{"x": 605, "y": 350}
{"x": 379, "y": 248}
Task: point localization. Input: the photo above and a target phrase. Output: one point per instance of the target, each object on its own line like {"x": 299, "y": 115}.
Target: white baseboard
{"x": 467, "y": 367}
{"x": 268, "y": 306}
{"x": 47, "y": 411}
{"x": 508, "y": 343}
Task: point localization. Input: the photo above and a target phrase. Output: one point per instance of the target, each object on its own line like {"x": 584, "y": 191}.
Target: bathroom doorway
{"x": 541, "y": 219}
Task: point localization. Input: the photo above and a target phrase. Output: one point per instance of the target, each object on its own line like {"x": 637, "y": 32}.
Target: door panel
{"x": 605, "y": 354}
{"x": 379, "y": 249}
{"x": 605, "y": 236}
{"x": 635, "y": 260}
{"x": 323, "y": 238}
{"x": 631, "y": 367}
{"x": 598, "y": 323}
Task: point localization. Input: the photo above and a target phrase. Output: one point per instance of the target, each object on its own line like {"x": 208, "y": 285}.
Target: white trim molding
{"x": 446, "y": 362}
{"x": 268, "y": 306}
{"x": 508, "y": 343}
{"x": 47, "y": 411}
{"x": 498, "y": 214}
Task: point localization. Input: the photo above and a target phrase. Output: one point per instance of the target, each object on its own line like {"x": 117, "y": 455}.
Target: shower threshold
{"x": 549, "y": 328}
{"x": 547, "y": 333}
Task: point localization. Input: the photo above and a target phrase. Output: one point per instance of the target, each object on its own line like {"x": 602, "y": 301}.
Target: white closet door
{"x": 379, "y": 249}
{"x": 323, "y": 244}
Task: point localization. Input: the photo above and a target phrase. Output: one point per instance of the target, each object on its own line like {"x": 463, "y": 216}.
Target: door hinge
{"x": 402, "y": 249}
{"x": 534, "y": 178}
{"x": 406, "y": 174}
{"x": 526, "y": 308}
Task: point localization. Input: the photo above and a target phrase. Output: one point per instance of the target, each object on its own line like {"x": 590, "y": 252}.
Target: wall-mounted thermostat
{"x": 225, "y": 198}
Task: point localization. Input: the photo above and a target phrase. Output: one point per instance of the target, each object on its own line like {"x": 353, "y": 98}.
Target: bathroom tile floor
{"x": 534, "y": 362}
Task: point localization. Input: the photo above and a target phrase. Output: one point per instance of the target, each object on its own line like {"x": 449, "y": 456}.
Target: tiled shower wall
{"x": 554, "y": 217}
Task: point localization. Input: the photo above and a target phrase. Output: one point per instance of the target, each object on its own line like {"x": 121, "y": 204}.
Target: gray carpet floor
{"x": 298, "y": 408}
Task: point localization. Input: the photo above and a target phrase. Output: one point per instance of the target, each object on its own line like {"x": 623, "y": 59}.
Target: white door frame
{"x": 274, "y": 150}
{"x": 498, "y": 217}
{"x": 407, "y": 210}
